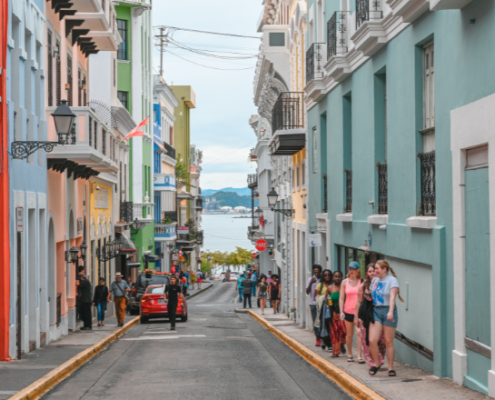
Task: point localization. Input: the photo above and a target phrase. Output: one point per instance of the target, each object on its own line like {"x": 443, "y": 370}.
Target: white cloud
{"x": 222, "y": 180}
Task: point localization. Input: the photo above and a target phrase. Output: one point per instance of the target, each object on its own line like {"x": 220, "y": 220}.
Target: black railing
{"x": 363, "y": 12}
{"x": 288, "y": 111}
{"x": 337, "y": 34}
{"x": 252, "y": 181}
{"x": 172, "y": 215}
{"x": 428, "y": 190}
{"x": 348, "y": 191}
{"x": 126, "y": 213}
{"x": 59, "y": 309}
{"x": 382, "y": 189}
{"x": 199, "y": 202}
{"x": 314, "y": 62}
{"x": 325, "y": 193}
{"x": 170, "y": 150}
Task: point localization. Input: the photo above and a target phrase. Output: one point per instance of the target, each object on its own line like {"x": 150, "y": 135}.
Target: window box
{"x": 347, "y": 217}
{"x": 421, "y": 222}
{"x": 378, "y": 219}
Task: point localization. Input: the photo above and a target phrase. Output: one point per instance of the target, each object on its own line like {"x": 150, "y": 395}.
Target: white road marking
{"x": 164, "y": 337}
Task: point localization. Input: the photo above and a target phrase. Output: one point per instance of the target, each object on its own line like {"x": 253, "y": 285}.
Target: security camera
{"x": 97, "y": 187}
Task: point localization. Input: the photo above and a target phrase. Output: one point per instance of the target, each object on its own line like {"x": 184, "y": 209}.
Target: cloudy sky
{"x": 219, "y": 124}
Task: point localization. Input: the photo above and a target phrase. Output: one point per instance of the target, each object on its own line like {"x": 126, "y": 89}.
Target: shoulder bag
{"x": 125, "y": 295}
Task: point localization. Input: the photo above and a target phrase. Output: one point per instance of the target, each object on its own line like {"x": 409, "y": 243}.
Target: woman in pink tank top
{"x": 348, "y": 298}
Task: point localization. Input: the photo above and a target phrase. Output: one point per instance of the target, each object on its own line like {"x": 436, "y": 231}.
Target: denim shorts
{"x": 380, "y": 315}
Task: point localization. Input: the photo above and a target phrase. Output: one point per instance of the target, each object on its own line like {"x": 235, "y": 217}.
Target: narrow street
{"x": 216, "y": 354}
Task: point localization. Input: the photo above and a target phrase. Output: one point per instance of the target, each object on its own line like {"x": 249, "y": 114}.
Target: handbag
{"x": 125, "y": 295}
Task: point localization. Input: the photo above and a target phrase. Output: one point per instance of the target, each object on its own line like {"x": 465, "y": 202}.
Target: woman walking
{"x": 274, "y": 292}
{"x": 100, "y": 300}
{"x": 364, "y": 317}
{"x": 348, "y": 298}
{"x": 337, "y": 326}
{"x": 385, "y": 289}
{"x": 325, "y": 308}
{"x": 262, "y": 292}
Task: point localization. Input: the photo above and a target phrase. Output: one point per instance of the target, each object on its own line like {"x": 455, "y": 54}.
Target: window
{"x": 123, "y": 98}
{"x": 277, "y": 39}
{"x": 90, "y": 132}
{"x": 103, "y": 140}
{"x": 297, "y": 176}
{"x": 303, "y": 173}
{"x": 59, "y": 75}
{"x": 79, "y": 87}
{"x": 96, "y": 135}
{"x": 315, "y": 150}
{"x": 69, "y": 80}
{"x": 50, "y": 68}
{"x": 427, "y": 157}
{"x": 85, "y": 100}
{"x": 122, "y": 51}
{"x": 114, "y": 72}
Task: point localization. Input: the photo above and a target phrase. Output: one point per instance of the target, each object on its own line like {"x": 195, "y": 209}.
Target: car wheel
{"x": 144, "y": 320}
{"x": 183, "y": 318}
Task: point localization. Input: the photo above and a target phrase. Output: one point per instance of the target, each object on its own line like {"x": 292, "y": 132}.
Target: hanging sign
{"x": 173, "y": 269}
{"x": 261, "y": 245}
{"x": 183, "y": 230}
{"x": 314, "y": 239}
{"x": 262, "y": 221}
{"x": 175, "y": 256}
{"x": 253, "y": 255}
{"x": 19, "y": 219}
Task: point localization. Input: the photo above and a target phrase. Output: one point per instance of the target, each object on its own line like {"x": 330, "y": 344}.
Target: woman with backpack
{"x": 324, "y": 305}
{"x": 100, "y": 300}
{"x": 348, "y": 297}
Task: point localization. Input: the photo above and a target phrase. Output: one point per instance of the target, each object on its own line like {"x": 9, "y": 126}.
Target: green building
{"x": 134, "y": 73}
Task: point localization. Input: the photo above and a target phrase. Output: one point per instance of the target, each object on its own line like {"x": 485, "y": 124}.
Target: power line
{"x": 207, "y": 66}
{"x": 240, "y": 148}
{"x": 207, "y": 32}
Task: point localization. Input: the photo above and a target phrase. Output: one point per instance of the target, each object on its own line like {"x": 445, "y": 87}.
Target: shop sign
{"x": 183, "y": 230}
{"x": 314, "y": 239}
{"x": 19, "y": 219}
{"x": 101, "y": 198}
{"x": 79, "y": 225}
{"x": 175, "y": 256}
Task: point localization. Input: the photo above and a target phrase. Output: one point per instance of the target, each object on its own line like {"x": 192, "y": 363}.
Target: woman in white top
{"x": 385, "y": 288}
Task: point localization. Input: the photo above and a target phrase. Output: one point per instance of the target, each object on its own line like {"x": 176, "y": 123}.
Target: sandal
{"x": 392, "y": 373}
{"x": 361, "y": 361}
{"x": 373, "y": 370}
{"x": 335, "y": 356}
{"x": 350, "y": 359}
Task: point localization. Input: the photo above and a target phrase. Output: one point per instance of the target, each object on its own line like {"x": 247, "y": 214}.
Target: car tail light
{"x": 133, "y": 294}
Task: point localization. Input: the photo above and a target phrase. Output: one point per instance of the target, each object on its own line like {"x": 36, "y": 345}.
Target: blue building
{"x": 29, "y": 298}
{"x": 399, "y": 128}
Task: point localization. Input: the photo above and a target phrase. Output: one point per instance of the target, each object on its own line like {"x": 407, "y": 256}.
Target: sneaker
{"x": 262, "y": 313}
{"x": 318, "y": 342}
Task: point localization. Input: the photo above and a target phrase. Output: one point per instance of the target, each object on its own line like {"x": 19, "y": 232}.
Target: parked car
{"x": 234, "y": 276}
{"x": 142, "y": 282}
{"x": 153, "y": 305}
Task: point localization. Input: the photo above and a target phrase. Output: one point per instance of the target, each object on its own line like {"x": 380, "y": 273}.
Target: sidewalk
{"x": 16, "y": 375}
{"x": 192, "y": 292}
{"x": 409, "y": 384}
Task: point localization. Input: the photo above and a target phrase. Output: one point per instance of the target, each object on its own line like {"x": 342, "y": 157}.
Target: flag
{"x": 135, "y": 131}
{"x": 160, "y": 146}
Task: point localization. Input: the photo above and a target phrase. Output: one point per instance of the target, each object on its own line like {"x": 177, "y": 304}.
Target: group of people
{"x": 366, "y": 306}
{"x": 264, "y": 287}
{"x": 100, "y": 298}
{"x": 190, "y": 278}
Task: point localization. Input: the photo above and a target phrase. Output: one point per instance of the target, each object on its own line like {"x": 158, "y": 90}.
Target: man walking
{"x": 84, "y": 292}
{"x": 119, "y": 289}
{"x": 254, "y": 278}
{"x": 310, "y": 289}
{"x": 247, "y": 287}
{"x": 172, "y": 292}
{"x": 239, "y": 286}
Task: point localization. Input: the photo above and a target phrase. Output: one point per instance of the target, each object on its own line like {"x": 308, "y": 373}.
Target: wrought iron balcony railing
{"x": 315, "y": 59}
{"x": 170, "y": 150}
{"x": 338, "y": 34}
{"x": 126, "y": 211}
{"x": 382, "y": 189}
{"x": 288, "y": 112}
{"x": 367, "y": 10}
{"x": 325, "y": 193}
{"x": 348, "y": 191}
{"x": 428, "y": 190}
{"x": 199, "y": 237}
{"x": 199, "y": 203}
{"x": 171, "y": 215}
{"x": 252, "y": 181}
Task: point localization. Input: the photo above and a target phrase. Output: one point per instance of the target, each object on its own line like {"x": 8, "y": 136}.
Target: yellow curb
{"x": 351, "y": 385}
{"x": 54, "y": 377}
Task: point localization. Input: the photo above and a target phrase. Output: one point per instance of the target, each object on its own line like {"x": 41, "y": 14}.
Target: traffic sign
{"x": 261, "y": 245}
{"x": 253, "y": 255}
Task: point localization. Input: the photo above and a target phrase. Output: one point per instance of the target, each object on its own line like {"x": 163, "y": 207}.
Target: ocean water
{"x": 225, "y": 233}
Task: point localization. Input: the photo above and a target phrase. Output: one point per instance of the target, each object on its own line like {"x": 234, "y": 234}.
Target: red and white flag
{"x": 136, "y": 132}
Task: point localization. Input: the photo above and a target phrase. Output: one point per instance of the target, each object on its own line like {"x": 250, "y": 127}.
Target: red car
{"x": 153, "y": 305}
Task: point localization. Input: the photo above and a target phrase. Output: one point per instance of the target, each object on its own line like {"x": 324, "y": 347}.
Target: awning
{"x": 159, "y": 146}
{"x": 185, "y": 196}
{"x": 128, "y": 245}
{"x": 133, "y": 265}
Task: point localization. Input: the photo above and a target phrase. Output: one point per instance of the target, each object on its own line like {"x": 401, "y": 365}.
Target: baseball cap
{"x": 354, "y": 265}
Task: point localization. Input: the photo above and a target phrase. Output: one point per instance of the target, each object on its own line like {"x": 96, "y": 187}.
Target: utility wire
{"x": 232, "y": 152}
{"x": 207, "y": 66}
{"x": 207, "y": 32}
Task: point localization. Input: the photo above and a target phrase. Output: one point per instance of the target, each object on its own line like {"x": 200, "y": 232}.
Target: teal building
{"x": 398, "y": 150}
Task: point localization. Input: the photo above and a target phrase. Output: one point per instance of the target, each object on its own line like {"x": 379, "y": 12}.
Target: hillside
{"x": 230, "y": 199}
{"x": 240, "y": 191}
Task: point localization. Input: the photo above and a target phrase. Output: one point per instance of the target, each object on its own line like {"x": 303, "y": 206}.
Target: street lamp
{"x": 258, "y": 213}
{"x": 138, "y": 225}
{"x": 272, "y": 201}
{"x": 64, "y": 125}
{"x": 72, "y": 255}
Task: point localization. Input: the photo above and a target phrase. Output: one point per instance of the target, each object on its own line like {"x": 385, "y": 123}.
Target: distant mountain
{"x": 240, "y": 191}
{"x": 231, "y": 199}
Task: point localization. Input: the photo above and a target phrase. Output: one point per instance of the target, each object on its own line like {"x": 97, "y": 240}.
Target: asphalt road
{"x": 215, "y": 355}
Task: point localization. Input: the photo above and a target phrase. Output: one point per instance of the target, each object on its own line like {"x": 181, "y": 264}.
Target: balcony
{"x": 199, "y": 203}
{"x": 165, "y": 232}
{"x": 252, "y": 181}
{"x": 338, "y": 45}
{"x": 315, "y": 60}
{"x": 171, "y": 215}
{"x": 170, "y": 150}
{"x": 199, "y": 237}
{"x": 164, "y": 182}
{"x": 94, "y": 137}
{"x": 288, "y": 124}
{"x": 143, "y": 212}
{"x": 370, "y": 35}
{"x": 252, "y": 155}
{"x": 382, "y": 189}
{"x": 126, "y": 211}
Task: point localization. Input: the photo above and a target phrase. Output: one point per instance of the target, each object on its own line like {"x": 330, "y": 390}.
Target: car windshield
{"x": 143, "y": 282}
{"x": 155, "y": 290}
